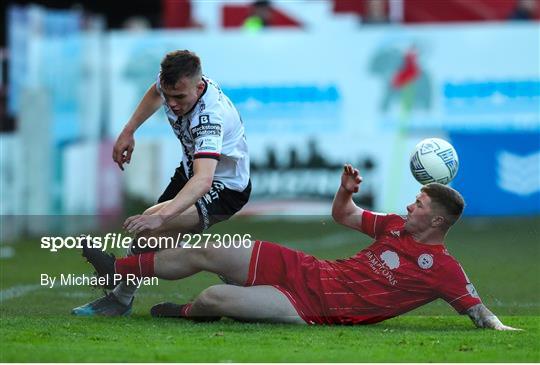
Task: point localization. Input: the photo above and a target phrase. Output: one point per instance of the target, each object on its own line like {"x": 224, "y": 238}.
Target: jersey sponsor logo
{"x": 391, "y": 259}
{"x": 472, "y": 290}
{"x": 382, "y": 268}
{"x": 205, "y": 128}
{"x": 425, "y": 261}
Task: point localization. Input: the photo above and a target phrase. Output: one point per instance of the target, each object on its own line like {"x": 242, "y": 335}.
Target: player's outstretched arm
{"x": 125, "y": 143}
{"x": 344, "y": 211}
{"x": 198, "y": 185}
{"x": 484, "y": 318}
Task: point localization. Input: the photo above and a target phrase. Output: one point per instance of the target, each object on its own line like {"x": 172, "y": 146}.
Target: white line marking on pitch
{"x": 85, "y": 294}
{"x": 17, "y": 291}
{"x": 6, "y": 252}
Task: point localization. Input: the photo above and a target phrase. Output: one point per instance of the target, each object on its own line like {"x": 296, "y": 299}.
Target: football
{"x": 434, "y": 160}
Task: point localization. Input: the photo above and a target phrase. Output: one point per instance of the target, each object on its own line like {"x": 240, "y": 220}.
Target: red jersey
{"x": 394, "y": 275}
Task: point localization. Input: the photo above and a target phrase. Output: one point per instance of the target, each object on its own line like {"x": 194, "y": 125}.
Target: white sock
{"x": 124, "y": 292}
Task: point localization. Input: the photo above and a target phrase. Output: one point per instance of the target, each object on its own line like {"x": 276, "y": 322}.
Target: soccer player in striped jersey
{"x": 212, "y": 182}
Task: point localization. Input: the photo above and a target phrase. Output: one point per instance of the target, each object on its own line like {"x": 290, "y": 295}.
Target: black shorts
{"x": 219, "y": 204}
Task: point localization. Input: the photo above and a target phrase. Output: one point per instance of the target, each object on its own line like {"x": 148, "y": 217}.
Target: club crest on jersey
{"x": 425, "y": 261}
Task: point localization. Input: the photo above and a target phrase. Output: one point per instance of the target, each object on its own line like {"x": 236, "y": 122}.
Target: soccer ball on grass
{"x": 434, "y": 160}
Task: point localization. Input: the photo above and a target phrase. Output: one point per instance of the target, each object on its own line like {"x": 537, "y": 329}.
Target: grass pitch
{"x": 500, "y": 256}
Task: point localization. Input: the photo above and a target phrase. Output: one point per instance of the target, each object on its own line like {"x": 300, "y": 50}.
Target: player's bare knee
{"x": 203, "y": 257}
{"x": 213, "y": 297}
{"x": 166, "y": 263}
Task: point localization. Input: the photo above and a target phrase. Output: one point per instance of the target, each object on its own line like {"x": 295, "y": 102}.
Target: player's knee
{"x": 213, "y": 297}
{"x": 203, "y": 257}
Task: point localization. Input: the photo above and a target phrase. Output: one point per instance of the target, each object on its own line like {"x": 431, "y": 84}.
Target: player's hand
{"x": 123, "y": 148}
{"x": 139, "y": 223}
{"x": 350, "y": 179}
{"x": 502, "y": 327}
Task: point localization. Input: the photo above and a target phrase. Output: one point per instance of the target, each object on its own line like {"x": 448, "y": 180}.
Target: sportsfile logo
{"x": 110, "y": 240}
{"x": 119, "y": 241}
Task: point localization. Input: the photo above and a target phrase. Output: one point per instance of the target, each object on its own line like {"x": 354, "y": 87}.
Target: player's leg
{"x": 262, "y": 303}
{"x": 175, "y": 263}
{"x": 222, "y": 204}
{"x": 270, "y": 264}
{"x": 125, "y": 292}
{"x": 219, "y": 204}
{"x": 119, "y": 302}
{"x": 231, "y": 263}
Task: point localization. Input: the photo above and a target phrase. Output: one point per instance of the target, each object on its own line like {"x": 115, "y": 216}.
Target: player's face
{"x": 184, "y": 95}
{"x": 419, "y": 214}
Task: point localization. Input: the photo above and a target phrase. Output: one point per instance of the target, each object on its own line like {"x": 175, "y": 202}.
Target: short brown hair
{"x": 447, "y": 199}
{"x": 178, "y": 64}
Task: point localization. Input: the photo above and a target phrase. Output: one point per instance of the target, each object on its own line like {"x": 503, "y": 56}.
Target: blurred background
{"x": 318, "y": 84}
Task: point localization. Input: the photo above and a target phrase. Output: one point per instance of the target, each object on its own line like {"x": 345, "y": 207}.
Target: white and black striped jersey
{"x": 212, "y": 129}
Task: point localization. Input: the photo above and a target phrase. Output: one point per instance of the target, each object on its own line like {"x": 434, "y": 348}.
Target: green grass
{"x": 500, "y": 256}
{"x": 407, "y": 339}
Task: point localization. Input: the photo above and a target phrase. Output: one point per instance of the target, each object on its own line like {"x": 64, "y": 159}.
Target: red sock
{"x": 184, "y": 312}
{"x": 139, "y": 265}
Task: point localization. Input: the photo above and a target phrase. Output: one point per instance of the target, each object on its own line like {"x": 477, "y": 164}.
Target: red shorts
{"x": 294, "y": 273}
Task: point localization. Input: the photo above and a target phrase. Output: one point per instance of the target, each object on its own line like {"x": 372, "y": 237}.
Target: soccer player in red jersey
{"x": 405, "y": 267}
